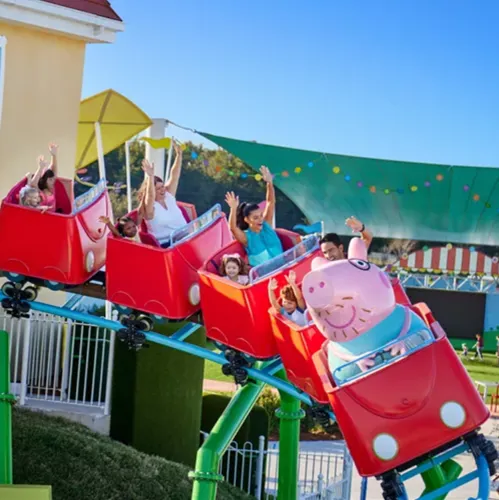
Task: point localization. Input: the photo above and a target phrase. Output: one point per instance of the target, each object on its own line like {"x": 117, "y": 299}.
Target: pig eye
{"x": 362, "y": 265}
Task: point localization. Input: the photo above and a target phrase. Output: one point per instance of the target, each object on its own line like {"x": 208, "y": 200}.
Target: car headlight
{"x": 194, "y": 294}
{"x": 385, "y": 446}
{"x": 89, "y": 261}
{"x": 452, "y": 414}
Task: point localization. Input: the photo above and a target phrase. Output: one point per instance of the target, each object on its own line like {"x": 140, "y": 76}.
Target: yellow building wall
{"x": 42, "y": 93}
{"x": 43, "y": 81}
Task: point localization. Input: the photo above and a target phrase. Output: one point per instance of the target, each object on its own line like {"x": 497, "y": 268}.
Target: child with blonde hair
{"x": 30, "y": 197}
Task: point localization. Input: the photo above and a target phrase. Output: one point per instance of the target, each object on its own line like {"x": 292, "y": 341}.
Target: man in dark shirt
{"x": 479, "y": 347}
{"x": 331, "y": 245}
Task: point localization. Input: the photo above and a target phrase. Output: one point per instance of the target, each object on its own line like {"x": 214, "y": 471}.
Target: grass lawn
{"x": 82, "y": 465}
{"x": 213, "y": 371}
{"x": 484, "y": 371}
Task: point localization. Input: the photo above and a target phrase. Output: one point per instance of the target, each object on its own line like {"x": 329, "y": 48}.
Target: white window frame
{"x": 3, "y": 45}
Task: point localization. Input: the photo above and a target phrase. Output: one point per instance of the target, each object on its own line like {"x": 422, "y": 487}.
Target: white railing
{"x": 323, "y": 475}
{"x": 57, "y": 362}
{"x": 64, "y": 364}
{"x": 88, "y": 197}
{"x": 196, "y": 226}
{"x": 301, "y": 250}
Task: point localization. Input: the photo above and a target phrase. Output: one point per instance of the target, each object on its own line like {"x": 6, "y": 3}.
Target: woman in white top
{"x": 158, "y": 202}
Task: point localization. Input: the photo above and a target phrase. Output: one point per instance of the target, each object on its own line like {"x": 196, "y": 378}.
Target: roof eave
{"x": 61, "y": 20}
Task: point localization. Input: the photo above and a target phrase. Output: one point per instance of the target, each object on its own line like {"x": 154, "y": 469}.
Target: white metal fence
{"x": 60, "y": 362}
{"x": 325, "y": 475}
{"x": 68, "y": 365}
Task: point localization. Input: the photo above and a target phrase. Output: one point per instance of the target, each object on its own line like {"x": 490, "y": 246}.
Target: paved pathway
{"x": 217, "y": 386}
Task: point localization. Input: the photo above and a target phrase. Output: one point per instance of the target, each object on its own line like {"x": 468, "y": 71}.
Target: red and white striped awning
{"x": 458, "y": 260}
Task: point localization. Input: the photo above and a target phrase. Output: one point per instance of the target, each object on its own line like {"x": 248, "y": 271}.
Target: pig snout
{"x": 317, "y": 292}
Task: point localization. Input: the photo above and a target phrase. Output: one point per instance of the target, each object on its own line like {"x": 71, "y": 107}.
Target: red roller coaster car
{"x": 428, "y": 388}
{"x": 164, "y": 282}
{"x": 297, "y": 345}
{"x": 236, "y": 315}
{"x": 66, "y": 247}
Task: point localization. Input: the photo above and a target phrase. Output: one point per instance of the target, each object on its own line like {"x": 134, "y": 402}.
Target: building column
{"x": 156, "y": 156}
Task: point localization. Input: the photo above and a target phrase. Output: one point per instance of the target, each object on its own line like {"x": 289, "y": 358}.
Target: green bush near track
{"x": 82, "y": 465}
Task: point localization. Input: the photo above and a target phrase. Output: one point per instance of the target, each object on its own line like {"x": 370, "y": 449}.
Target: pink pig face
{"x": 348, "y": 297}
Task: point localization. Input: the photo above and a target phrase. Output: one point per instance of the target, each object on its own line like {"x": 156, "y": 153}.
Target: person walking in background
{"x": 465, "y": 352}
{"x": 478, "y": 347}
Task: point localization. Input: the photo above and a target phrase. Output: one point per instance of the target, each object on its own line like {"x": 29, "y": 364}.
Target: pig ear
{"x": 319, "y": 262}
{"x": 357, "y": 249}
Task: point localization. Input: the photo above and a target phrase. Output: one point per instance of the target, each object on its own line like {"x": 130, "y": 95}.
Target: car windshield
{"x": 307, "y": 246}
{"x": 88, "y": 197}
{"x": 197, "y": 225}
{"x": 412, "y": 342}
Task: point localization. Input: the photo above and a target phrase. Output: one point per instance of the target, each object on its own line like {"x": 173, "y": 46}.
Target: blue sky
{"x": 399, "y": 79}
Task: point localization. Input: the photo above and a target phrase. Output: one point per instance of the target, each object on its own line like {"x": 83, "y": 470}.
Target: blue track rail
{"x": 481, "y": 473}
{"x": 176, "y": 341}
{"x": 266, "y": 375}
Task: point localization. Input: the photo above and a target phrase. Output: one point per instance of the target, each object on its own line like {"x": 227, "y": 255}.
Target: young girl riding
{"x": 30, "y": 197}
{"x": 234, "y": 268}
{"x": 252, "y": 226}
{"x": 125, "y": 228}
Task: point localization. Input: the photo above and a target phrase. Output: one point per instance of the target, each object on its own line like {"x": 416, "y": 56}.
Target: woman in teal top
{"x": 252, "y": 226}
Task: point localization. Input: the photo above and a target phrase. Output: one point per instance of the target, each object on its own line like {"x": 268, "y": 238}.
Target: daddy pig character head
{"x": 347, "y": 297}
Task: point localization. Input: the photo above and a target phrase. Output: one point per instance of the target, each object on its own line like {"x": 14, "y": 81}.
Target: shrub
{"x": 270, "y": 402}
{"x": 82, "y": 465}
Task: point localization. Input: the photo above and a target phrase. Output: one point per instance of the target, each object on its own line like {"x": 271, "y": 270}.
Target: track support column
{"x": 206, "y": 474}
{"x": 6, "y": 401}
{"x": 290, "y": 413}
{"x": 440, "y": 475}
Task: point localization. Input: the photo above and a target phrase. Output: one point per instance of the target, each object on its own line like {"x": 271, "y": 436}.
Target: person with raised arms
{"x": 252, "y": 226}
{"x": 158, "y": 201}
{"x": 331, "y": 245}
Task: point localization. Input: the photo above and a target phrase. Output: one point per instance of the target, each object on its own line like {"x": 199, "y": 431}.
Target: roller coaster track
{"x": 177, "y": 341}
{"x": 433, "y": 472}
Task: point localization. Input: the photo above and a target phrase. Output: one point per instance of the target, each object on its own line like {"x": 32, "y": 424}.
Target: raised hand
{"x": 104, "y": 219}
{"x": 398, "y": 348}
{"x": 273, "y": 284}
{"x": 291, "y": 278}
{"x": 232, "y": 200}
{"x": 354, "y": 224}
{"x": 177, "y": 148}
{"x": 42, "y": 163}
{"x": 266, "y": 175}
{"x": 53, "y": 149}
{"x": 365, "y": 364}
{"x": 147, "y": 167}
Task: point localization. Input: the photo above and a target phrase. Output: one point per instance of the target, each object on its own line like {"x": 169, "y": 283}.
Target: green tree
{"x": 206, "y": 176}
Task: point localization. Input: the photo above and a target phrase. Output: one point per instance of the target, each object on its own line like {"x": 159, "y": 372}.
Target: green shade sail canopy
{"x": 395, "y": 199}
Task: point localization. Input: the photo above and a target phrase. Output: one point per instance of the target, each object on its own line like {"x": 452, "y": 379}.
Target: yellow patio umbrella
{"x": 115, "y": 117}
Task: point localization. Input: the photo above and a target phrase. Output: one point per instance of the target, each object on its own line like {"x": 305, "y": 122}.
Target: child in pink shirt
{"x": 45, "y": 177}
{"x": 234, "y": 268}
